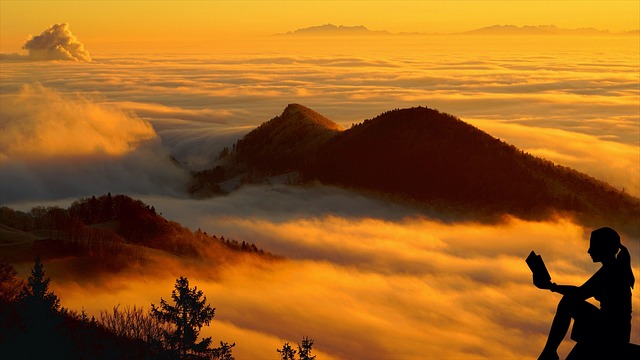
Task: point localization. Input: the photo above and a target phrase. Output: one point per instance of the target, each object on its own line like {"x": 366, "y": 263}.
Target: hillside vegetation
{"x": 112, "y": 230}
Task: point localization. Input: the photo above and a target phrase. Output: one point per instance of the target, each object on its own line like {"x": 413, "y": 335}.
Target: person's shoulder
{"x": 611, "y": 271}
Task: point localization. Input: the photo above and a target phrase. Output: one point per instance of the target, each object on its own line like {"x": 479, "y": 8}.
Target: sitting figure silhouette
{"x": 602, "y": 333}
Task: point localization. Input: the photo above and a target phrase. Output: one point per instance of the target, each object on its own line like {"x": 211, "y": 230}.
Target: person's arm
{"x": 564, "y": 289}
{"x": 583, "y": 292}
{"x": 572, "y": 290}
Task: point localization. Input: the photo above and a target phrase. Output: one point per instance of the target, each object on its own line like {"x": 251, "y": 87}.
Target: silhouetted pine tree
{"x": 189, "y": 313}
{"x": 10, "y": 285}
{"x": 223, "y": 352}
{"x": 36, "y": 295}
{"x": 287, "y": 352}
{"x": 304, "y": 350}
{"x": 43, "y": 334}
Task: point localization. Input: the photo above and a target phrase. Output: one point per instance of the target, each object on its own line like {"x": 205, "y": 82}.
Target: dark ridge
{"x": 107, "y": 228}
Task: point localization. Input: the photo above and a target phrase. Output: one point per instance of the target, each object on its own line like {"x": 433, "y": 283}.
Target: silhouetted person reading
{"x": 602, "y": 333}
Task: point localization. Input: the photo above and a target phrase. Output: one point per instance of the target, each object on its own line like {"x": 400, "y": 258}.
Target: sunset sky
{"x": 143, "y": 84}
{"x": 158, "y": 23}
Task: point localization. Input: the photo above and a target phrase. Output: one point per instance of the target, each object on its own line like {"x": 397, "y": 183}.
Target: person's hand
{"x": 544, "y": 283}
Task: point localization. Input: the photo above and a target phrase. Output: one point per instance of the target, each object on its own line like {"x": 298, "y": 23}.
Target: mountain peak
{"x": 288, "y": 142}
{"x": 296, "y": 113}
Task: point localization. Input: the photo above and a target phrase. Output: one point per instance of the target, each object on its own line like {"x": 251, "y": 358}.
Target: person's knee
{"x": 567, "y": 304}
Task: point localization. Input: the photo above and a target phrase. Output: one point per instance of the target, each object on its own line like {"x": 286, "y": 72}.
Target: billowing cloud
{"x": 55, "y": 145}
{"x": 56, "y": 43}
{"x": 41, "y": 123}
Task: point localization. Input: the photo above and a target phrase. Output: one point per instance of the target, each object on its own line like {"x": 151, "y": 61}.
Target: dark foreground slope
{"x": 431, "y": 159}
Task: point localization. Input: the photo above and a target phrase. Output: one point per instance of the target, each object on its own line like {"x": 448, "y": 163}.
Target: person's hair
{"x": 609, "y": 240}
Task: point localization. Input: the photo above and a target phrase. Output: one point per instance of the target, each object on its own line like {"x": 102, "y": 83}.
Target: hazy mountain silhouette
{"x": 428, "y": 158}
{"x": 333, "y": 30}
{"x": 360, "y": 30}
{"x": 533, "y": 30}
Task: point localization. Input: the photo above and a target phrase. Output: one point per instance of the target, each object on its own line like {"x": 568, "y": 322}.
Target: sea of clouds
{"x": 363, "y": 277}
{"x": 565, "y": 102}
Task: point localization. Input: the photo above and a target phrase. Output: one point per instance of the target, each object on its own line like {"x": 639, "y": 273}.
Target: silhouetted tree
{"x": 223, "y": 352}
{"x": 36, "y": 293}
{"x": 10, "y": 285}
{"x": 304, "y": 350}
{"x": 189, "y": 313}
{"x": 287, "y": 352}
{"x": 43, "y": 333}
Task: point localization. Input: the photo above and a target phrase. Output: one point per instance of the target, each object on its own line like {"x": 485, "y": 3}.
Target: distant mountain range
{"x": 423, "y": 157}
{"x": 360, "y": 30}
{"x": 534, "y": 30}
{"x": 330, "y": 29}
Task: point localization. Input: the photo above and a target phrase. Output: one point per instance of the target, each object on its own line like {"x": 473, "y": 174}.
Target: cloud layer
{"x": 367, "y": 287}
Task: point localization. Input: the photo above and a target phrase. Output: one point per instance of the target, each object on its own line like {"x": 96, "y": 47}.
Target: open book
{"x": 537, "y": 266}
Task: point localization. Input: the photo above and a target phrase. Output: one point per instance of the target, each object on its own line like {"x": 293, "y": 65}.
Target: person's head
{"x": 604, "y": 244}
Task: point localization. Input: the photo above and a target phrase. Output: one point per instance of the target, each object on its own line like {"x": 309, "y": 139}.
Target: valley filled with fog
{"x": 364, "y": 277}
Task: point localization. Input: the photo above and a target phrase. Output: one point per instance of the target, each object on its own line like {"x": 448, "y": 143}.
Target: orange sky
{"x": 158, "y": 22}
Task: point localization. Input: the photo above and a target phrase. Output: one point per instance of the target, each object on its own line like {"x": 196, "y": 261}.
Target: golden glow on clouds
{"x": 453, "y": 291}
{"x": 39, "y": 123}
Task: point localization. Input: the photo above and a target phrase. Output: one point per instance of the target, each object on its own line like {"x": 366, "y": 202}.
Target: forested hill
{"x": 109, "y": 228}
{"x": 432, "y": 159}
{"x": 436, "y": 158}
